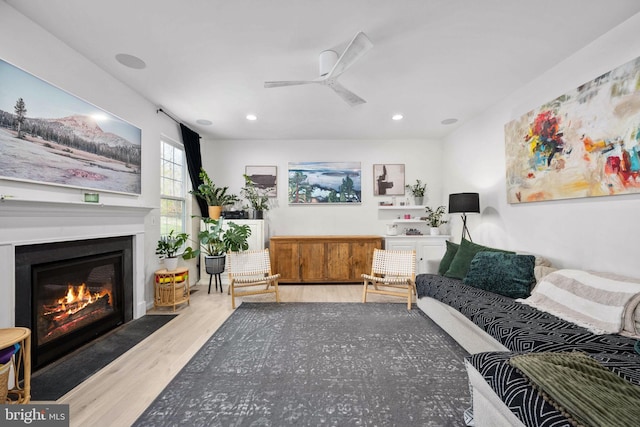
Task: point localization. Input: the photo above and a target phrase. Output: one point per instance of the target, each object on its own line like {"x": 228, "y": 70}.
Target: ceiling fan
{"x": 331, "y": 67}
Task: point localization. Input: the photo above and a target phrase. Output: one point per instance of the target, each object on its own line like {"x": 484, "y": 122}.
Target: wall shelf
{"x": 402, "y": 208}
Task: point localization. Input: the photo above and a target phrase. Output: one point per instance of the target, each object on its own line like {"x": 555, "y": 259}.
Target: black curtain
{"x": 191, "y": 141}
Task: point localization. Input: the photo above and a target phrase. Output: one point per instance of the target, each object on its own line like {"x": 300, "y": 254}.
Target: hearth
{"x": 69, "y": 293}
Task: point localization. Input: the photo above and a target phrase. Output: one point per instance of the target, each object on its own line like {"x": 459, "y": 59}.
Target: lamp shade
{"x": 464, "y": 203}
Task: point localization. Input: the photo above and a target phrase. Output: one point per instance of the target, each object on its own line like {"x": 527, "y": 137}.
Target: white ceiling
{"x": 431, "y": 60}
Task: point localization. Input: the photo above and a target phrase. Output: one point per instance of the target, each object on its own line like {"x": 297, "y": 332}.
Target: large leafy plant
{"x": 211, "y": 193}
{"x": 257, "y": 197}
{"x": 169, "y": 245}
{"x": 216, "y": 241}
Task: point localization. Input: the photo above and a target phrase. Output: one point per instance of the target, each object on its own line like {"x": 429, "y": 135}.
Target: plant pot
{"x": 258, "y": 214}
{"x": 171, "y": 264}
{"x": 418, "y": 200}
{"x": 435, "y": 231}
{"x": 215, "y": 212}
{"x": 214, "y": 264}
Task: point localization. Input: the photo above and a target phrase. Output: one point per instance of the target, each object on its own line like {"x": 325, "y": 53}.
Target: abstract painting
{"x": 49, "y": 136}
{"x": 264, "y": 178}
{"x": 388, "y": 180}
{"x": 585, "y": 143}
{"x": 324, "y": 182}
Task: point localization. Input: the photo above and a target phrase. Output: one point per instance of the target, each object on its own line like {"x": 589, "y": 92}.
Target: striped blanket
{"x": 602, "y": 303}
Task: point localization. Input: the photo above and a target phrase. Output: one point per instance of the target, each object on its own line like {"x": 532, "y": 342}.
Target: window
{"x": 173, "y": 172}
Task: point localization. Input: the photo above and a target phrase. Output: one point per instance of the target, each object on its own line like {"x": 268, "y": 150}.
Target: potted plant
{"x": 434, "y": 218}
{"x": 168, "y": 247}
{"x": 215, "y": 197}
{"x": 257, "y": 197}
{"x": 417, "y": 190}
{"x": 216, "y": 242}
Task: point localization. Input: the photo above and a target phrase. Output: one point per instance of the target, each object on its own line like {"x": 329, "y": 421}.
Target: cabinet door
{"x": 338, "y": 262}
{"x": 429, "y": 255}
{"x": 400, "y": 244}
{"x": 312, "y": 261}
{"x": 361, "y": 258}
{"x": 285, "y": 260}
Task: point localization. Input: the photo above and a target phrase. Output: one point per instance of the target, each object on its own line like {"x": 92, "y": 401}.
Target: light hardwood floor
{"x": 119, "y": 393}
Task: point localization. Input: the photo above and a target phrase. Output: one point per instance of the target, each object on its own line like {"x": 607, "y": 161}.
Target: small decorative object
{"x": 434, "y": 218}
{"x": 91, "y": 197}
{"x": 216, "y": 197}
{"x": 388, "y": 180}
{"x": 168, "y": 247}
{"x": 257, "y": 197}
{"x": 417, "y": 190}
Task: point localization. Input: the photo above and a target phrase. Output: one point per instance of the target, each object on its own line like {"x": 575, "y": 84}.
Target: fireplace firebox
{"x": 69, "y": 293}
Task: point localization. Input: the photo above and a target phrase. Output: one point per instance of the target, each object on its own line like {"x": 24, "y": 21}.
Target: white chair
{"x": 392, "y": 273}
{"x": 250, "y": 269}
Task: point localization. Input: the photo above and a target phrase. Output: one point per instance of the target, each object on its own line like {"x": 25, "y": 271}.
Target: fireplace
{"x": 69, "y": 293}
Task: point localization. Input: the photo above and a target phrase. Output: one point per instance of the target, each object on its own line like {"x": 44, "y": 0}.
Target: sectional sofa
{"x": 499, "y": 305}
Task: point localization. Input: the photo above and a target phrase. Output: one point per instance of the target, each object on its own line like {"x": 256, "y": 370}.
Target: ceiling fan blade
{"x": 288, "y": 83}
{"x": 344, "y": 93}
{"x": 354, "y": 51}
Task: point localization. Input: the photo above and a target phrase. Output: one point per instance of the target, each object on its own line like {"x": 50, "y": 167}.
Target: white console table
{"x": 429, "y": 249}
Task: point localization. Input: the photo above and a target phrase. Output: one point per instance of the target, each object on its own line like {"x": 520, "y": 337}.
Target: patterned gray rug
{"x": 317, "y": 364}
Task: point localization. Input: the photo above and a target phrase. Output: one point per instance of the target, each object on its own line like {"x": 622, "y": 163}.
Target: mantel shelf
{"x": 29, "y": 207}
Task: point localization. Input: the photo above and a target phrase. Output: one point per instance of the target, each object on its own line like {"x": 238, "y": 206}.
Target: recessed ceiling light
{"x": 204, "y": 122}
{"x": 397, "y": 117}
{"x": 450, "y": 121}
{"x": 130, "y": 61}
{"x": 252, "y": 117}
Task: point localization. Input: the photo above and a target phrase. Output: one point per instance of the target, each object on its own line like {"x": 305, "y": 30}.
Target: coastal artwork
{"x": 324, "y": 182}
{"x": 585, "y": 143}
{"x": 50, "y": 136}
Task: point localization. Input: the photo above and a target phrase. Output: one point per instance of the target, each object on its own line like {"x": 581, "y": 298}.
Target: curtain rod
{"x": 160, "y": 110}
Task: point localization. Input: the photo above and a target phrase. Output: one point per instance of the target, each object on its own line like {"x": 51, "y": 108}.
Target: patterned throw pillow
{"x": 510, "y": 275}
{"x": 445, "y": 262}
{"x": 462, "y": 260}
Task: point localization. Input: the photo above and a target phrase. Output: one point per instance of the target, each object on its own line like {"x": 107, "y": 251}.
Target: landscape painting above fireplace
{"x": 584, "y": 143}
{"x": 50, "y": 136}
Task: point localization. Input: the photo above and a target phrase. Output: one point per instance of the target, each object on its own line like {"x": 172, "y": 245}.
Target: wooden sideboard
{"x": 322, "y": 259}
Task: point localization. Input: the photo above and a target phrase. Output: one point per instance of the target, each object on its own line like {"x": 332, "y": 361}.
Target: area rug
{"x": 334, "y": 364}
{"x": 55, "y": 380}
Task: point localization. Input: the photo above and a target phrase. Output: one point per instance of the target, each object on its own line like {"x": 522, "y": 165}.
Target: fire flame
{"x": 77, "y": 298}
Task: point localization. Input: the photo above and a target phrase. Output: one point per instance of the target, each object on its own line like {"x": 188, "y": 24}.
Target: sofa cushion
{"x": 445, "y": 262}
{"x": 506, "y": 274}
{"x": 462, "y": 259}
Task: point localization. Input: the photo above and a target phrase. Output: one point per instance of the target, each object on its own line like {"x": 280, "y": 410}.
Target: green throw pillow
{"x": 510, "y": 275}
{"x": 461, "y": 262}
{"x": 445, "y": 262}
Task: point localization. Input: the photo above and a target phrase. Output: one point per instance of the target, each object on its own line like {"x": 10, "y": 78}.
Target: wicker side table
{"x": 21, "y": 362}
{"x": 171, "y": 287}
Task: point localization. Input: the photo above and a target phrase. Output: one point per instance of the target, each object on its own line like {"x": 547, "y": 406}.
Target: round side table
{"x": 21, "y": 362}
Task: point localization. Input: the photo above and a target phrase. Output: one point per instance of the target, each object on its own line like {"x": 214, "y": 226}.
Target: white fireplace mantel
{"x": 26, "y": 222}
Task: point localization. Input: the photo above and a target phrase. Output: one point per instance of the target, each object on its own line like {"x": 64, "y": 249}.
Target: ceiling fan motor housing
{"x": 328, "y": 59}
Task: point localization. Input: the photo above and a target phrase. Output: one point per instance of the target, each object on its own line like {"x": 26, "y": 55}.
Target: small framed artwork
{"x": 388, "y": 179}
{"x": 264, "y": 177}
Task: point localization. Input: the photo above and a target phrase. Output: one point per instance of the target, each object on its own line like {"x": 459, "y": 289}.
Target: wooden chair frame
{"x": 392, "y": 273}
{"x": 251, "y": 269}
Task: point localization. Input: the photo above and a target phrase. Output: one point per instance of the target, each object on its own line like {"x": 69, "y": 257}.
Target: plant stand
{"x": 218, "y": 281}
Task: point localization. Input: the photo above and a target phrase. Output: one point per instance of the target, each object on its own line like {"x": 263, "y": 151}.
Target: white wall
{"x": 600, "y": 234}
{"x": 36, "y": 51}
{"x": 225, "y": 162}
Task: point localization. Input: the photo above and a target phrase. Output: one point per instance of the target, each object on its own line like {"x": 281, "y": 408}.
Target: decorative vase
{"x": 171, "y": 264}
{"x": 435, "y": 231}
{"x": 215, "y": 212}
{"x": 418, "y": 200}
{"x": 214, "y": 264}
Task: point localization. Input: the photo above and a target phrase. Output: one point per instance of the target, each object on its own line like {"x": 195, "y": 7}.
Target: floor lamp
{"x": 464, "y": 203}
